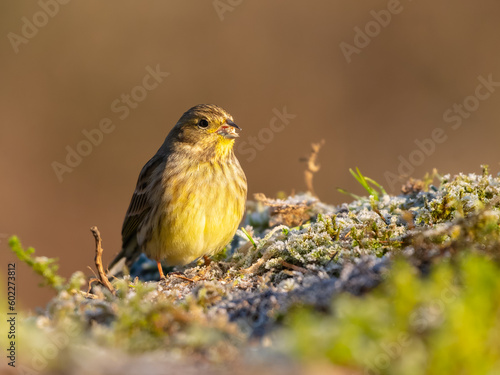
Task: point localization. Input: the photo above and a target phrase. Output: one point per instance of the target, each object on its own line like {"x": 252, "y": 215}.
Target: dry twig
{"x": 260, "y": 262}
{"x": 98, "y": 261}
{"x": 312, "y": 167}
{"x": 294, "y": 267}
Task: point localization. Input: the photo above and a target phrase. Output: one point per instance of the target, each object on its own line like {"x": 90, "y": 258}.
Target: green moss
{"x": 445, "y": 323}
{"x": 47, "y": 268}
{"x": 408, "y": 325}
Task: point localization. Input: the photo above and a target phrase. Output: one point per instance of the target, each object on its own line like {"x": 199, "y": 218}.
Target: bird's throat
{"x": 224, "y": 149}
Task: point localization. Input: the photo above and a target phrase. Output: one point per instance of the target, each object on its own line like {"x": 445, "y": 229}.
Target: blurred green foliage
{"x": 47, "y": 268}
{"x": 447, "y": 322}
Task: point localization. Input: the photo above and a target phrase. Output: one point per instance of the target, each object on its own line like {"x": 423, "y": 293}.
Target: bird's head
{"x": 208, "y": 128}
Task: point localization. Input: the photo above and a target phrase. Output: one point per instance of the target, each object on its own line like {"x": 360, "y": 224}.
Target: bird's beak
{"x": 227, "y": 130}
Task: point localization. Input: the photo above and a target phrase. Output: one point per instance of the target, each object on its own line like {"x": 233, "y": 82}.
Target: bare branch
{"x": 312, "y": 167}
{"x": 294, "y": 267}
{"x": 98, "y": 261}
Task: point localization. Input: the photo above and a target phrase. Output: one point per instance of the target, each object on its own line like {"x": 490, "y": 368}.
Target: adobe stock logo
{"x": 420, "y": 321}
{"x": 121, "y": 106}
{"x": 364, "y": 36}
{"x": 224, "y": 6}
{"x": 55, "y": 342}
{"x": 277, "y": 124}
{"x": 455, "y": 117}
{"x": 30, "y": 26}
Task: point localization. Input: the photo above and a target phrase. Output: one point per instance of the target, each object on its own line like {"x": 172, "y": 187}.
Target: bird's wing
{"x": 139, "y": 208}
{"x": 141, "y": 204}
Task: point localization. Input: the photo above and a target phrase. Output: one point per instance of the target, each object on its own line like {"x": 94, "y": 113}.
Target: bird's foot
{"x": 207, "y": 260}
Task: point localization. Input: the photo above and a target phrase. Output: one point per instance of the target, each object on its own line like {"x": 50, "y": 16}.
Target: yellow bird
{"x": 190, "y": 197}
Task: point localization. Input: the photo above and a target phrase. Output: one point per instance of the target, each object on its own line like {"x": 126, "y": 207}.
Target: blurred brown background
{"x": 250, "y": 57}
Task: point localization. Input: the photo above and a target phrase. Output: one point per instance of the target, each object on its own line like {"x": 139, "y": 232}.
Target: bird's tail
{"x": 126, "y": 257}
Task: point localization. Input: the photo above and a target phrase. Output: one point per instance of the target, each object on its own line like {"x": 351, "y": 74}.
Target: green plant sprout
{"x": 249, "y": 237}
{"x": 365, "y": 182}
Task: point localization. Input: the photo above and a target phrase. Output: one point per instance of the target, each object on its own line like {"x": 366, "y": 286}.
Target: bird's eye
{"x": 203, "y": 123}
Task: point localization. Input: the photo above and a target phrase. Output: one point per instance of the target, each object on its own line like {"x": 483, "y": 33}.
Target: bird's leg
{"x": 207, "y": 260}
{"x": 160, "y": 269}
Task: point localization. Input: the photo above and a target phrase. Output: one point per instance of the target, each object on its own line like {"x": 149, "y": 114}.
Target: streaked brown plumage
{"x": 190, "y": 196}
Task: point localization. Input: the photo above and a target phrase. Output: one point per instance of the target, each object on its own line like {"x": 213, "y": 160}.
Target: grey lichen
{"x": 246, "y": 293}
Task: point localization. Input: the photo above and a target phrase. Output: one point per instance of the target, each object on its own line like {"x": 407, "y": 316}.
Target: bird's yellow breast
{"x": 201, "y": 213}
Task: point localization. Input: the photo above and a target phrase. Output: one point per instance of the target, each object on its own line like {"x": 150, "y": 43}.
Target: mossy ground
{"x": 406, "y": 284}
